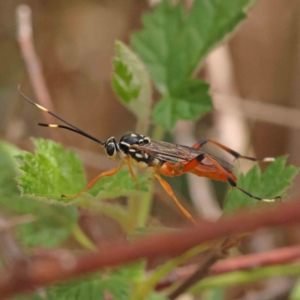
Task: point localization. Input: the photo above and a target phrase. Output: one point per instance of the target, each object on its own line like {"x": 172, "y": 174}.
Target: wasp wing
{"x": 175, "y": 153}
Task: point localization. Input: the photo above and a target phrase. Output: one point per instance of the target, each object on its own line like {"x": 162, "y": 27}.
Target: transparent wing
{"x": 175, "y": 153}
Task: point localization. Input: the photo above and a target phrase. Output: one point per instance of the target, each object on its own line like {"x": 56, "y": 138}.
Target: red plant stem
{"x": 246, "y": 262}
{"x": 274, "y": 257}
{"x": 46, "y": 271}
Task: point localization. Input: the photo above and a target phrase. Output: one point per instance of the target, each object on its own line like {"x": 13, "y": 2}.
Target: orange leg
{"x": 237, "y": 155}
{"x": 194, "y": 162}
{"x": 170, "y": 192}
{"x": 91, "y": 184}
{"x": 133, "y": 175}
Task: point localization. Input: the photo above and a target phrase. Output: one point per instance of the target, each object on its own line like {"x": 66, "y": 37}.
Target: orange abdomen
{"x": 212, "y": 173}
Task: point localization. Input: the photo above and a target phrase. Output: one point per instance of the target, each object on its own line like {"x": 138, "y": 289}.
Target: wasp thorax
{"x": 131, "y": 139}
{"x": 111, "y": 147}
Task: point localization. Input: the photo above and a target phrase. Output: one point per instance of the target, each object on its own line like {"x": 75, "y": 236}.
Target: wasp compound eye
{"x": 111, "y": 149}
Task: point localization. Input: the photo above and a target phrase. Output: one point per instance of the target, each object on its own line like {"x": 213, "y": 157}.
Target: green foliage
{"x": 157, "y": 296}
{"x": 173, "y": 44}
{"x": 214, "y": 294}
{"x": 50, "y": 172}
{"x": 29, "y": 297}
{"x": 270, "y": 184}
{"x": 118, "y": 283}
{"x": 134, "y": 272}
{"x": 53, "y": 171}
{"x": 120, "y": 184}
{"x": 9, "y": 193}
{"x": 92, "y": 289}
{"x": 52, "y": 225}
{"x": 132, "y": 85}
{"x": 185, "y": 105}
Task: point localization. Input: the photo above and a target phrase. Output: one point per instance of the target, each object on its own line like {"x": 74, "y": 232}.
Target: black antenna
{"x": 74, "y": 128}
{"x": 71, "y": 129}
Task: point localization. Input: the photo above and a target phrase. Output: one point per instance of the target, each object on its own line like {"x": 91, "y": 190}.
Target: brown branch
{"x": 46, "y": 271}
{"x": 33, "y": 65}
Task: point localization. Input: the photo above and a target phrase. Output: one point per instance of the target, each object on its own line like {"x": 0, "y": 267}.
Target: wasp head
{"x": 111, "y": 148}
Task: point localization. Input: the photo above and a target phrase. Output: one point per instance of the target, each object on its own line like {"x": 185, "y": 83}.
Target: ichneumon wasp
{"x": 164, "y": 158}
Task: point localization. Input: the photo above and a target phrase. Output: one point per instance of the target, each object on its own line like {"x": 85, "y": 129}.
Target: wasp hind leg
{"x": 92, "y": 183}
{"x": 170, "y": 192}
{"x": 237, "y": 155}
{"x": 194, "y": 162}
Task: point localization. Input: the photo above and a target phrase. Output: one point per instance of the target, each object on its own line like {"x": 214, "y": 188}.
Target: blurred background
{"x": 254, "y": 81}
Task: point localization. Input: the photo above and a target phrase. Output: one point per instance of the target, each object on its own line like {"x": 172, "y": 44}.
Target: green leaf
{"x": 214, "y": 294}
{"x": 121, "y": 184}
{"x": 157, "y": 296}
{"x": 272, "y": 183}
{"x": 190, "y": 102}
{"x": 9, "y": 193}
{"x": 50, "y": 172}
{"x": 29, "y": 297}
{"x": 131, "y": 83}
{"x": 53, "y": 171}
{"x": 173, "y": 43}
{"x": 122, "y": 82}
{"x": 52, "y": 224}
{"x": 92, "y": 288}
{"x": 134, "y": 273}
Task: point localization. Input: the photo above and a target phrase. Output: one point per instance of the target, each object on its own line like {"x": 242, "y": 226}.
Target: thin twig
{"x": 220, "y": 250}
{"x": 198, "y": 275}
{"x": 33, "y": 65}
{"x": 258, "y": 110}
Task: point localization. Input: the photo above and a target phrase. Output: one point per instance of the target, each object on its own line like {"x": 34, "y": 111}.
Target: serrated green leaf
{"x": 164, "y": 113}
{"x": 118, "y": 288}
{"x": 272, "y": 183}
{"x": 189, "y": 102}
{"x": 214, "y": 294}
{"x": 157, "y": 296}
{"x": 121, "y": 184}
{"x": 52, "y": 227}
{"x": 9, "y": 193}
{"x": 53, "y": 171}
{"x": 133, "y": 273}
{"x": 52, "y": 224}
{"x": 92, "y": 288}
{"x": 33, "y": 235}
{"x": 122, "y": 82}
{"x": 117, "y": 282}
{"x": 29, "y": 297}
{"x": 173, "y": 43}
{"x": 131, "y": 83}
{"x": 50, "y": 172}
